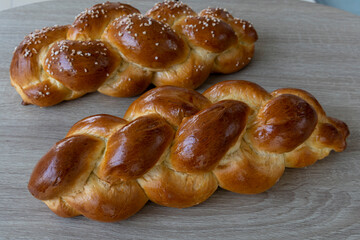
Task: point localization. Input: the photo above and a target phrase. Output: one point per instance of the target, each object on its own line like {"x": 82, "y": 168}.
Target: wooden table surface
{"x": 301, "y": 45}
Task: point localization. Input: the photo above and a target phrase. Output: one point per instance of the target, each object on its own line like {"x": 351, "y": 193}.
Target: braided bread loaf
{"x": 176, "y": 146}
{"x": 113, "y": 49}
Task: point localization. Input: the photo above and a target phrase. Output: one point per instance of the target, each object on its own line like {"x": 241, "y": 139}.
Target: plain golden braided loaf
{"x": 113, "y": 49}
{"x": 176, "y": 146}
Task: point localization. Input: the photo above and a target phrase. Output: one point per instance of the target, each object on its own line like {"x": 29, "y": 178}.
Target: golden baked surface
{"x": 113, "y": 49}
{"x": 176, "y": 146}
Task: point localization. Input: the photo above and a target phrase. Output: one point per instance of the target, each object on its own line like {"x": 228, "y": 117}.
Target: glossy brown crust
{"x": 170, "y": 45}
{"x": 44, "y": 93}
{"x": 283, "y": 124}
{"x": 147, "y": 42}
{"x": 232, "y": 59}
{"x": 237, "y": 57}
{"x": 101, "y": 125}
{"x": 173, "y": 189}
{"x": 25, "y": 65}
{"x": 330, "y": 132}
{"x": 242, "y": 27}
{"x": 191, "y": 74}
{"x": 244, "y": 177}
{"x": 245, "y": 91}
{"x": 68, "y": 161}
{"x": 25, "y": 69}
{"x": 172, "y": 103}
{"x": 334, "y": 133}
{"x": 343, "y": 130}
{"x": 334, "y": 137}
{"x": 61, "y": 208}
{"x": 80, "y": 65}
{"x": 169, "y": 11}
{"x": 106, "y": 203}
{"x": 91, "y": 23}
{"x": 248, "y": 172}
{"x": 194, "y": 151}
{"x": 127, "y": 162}
{"x": 123, "y": 158}
{"x": 300, "y": 157}
{"x": 211, "y": 34}
{"x": 132, "y": 81}
{"x": 310, "y": 99}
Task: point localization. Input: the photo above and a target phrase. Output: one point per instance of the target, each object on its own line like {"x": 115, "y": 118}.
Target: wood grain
{"x": 300, "y": 45}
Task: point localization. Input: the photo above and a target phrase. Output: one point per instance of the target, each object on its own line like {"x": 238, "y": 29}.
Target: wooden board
{"x": 300, "y": 45}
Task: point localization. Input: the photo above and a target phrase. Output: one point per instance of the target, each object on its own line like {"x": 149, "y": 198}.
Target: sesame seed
{"x": 156, "y": 58}
{"x": 27, "y": 53}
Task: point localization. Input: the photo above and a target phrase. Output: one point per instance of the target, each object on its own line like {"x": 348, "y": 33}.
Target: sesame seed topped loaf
{"x": 175, "y": 146}
{"x": 113, "y": 49}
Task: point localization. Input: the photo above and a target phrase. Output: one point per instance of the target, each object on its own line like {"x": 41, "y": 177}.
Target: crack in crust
{"x": 176, "y": 146}
{"x": 113, "y": 49}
